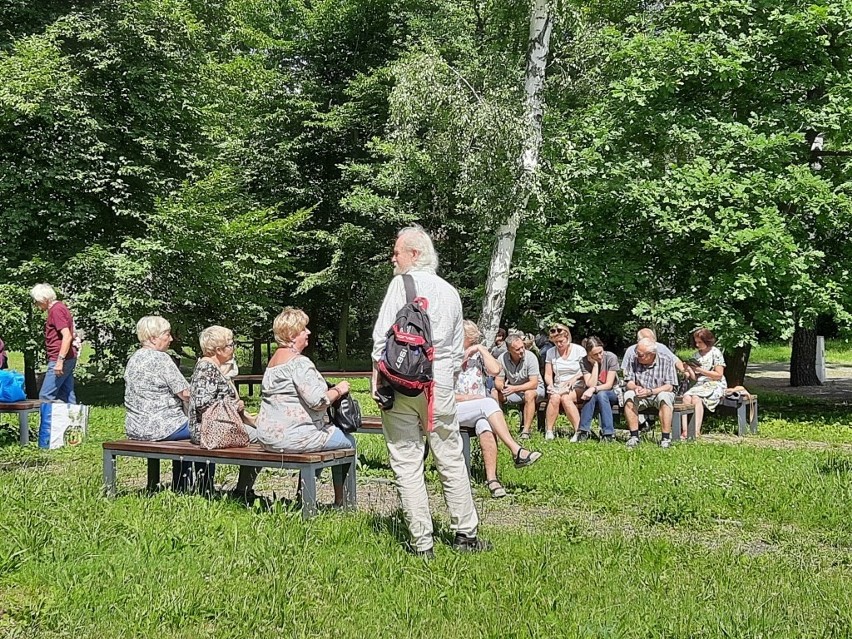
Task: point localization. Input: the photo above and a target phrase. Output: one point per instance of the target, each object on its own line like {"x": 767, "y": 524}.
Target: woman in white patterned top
{"x": 295, "y": 397}
{"x": 476, "y": 409}
{"x": 563, "y": 375}
{"x": 707, "y": 369}
{"x": 155, "y": 392}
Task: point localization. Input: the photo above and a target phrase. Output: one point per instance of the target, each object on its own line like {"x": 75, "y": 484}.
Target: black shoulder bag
{"x": 345, "y": 413}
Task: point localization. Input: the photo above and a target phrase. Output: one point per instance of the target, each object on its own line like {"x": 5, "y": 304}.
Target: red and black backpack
{"x": 406, "y": 363}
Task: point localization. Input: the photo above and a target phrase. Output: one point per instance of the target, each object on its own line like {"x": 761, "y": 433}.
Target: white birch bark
{"x": 541, "y": 23}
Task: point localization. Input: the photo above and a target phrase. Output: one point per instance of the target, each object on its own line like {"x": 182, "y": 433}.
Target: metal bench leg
{"x": 24, "y": 427}
{"x": 741, "y": 418}
{"x": 690, "y": 426}
{"x": 308, "y": 480}
{"x": 153, "y": 474}
{"x": 676, "y": 426}
{"x": 465, "y": 437}
{"x": 109, "y": 473}
{"x": 754, "y": 416}
{"x": 350, "y": 486}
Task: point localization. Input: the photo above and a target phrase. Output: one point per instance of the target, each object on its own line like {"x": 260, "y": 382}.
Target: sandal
{"x": 496, "y": 488}
{"x": 525, "y": 435}
{"x": 528, "y": 460}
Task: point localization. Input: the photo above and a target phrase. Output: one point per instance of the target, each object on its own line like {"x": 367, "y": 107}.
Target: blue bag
{"x": 11, "y": 386}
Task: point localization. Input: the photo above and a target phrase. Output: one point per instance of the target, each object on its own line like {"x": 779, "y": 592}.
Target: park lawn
{"x": 706, "y": 539}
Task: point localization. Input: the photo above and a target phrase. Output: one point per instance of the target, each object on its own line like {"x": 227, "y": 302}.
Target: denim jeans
{"x": 59, "y": 387}
{"x": 602, "y": 403}
{"x": 183, "y": 473}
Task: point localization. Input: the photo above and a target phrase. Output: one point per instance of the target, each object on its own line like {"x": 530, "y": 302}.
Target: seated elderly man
{"x": 519, "y": 380}
{"x": 651, "y": 379}
{"x": 662, "y": 349}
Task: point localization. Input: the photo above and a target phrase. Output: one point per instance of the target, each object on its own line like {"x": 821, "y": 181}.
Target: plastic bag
{"x": 11, "y": 386}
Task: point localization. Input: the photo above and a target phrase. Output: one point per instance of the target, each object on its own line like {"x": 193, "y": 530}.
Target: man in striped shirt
{"x": 651, "y": 380}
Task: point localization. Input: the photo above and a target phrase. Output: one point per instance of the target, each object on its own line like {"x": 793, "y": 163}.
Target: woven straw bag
{"x": 221, "y": 426}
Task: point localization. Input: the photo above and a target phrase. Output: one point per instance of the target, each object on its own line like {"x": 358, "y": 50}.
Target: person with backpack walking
{"x": 417, "y": 351}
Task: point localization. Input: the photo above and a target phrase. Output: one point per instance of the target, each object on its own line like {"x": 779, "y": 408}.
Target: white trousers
{"x": 405, "y": 426}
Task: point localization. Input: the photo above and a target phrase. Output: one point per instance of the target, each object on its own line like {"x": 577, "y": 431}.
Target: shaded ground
{"x": 776, "y": 378}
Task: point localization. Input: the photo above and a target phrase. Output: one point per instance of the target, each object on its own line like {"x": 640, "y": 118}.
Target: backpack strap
{"x": 410, "y": 289}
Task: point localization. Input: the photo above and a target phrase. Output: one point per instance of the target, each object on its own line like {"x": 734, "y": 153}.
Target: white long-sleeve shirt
{"x": 445, "y": 315}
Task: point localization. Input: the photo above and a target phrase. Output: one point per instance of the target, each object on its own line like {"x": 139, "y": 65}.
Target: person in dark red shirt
{"x": 58, "y": 339}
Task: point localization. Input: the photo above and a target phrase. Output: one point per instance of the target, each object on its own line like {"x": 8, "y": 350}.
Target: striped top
{"x": 662, "y": 371}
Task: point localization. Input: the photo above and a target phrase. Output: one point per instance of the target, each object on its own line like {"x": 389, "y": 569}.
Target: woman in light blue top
{"x": 295, "y": 397}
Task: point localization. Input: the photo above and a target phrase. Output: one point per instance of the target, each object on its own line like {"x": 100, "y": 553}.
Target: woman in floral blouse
{"x": 476, "y": 409}
{"x": 707, "y": 369}
{"x": 295, "y": 397}
{"x": 208, "y": 385}
{"x": 155, "y": 393}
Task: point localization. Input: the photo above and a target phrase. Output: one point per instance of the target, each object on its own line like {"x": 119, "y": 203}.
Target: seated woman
{"x": 476, "y": 409}
{"x": 295, "y": 397}
{"x": 210, "y": 384}
{"x": 600, "y": 369}
{"x": 707, "y": 369}
{"x": 563, "y": 378}
{"x": 155, "y": 394}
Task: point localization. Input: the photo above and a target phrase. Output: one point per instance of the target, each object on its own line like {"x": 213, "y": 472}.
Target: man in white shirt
{"x": 405, "y": 424}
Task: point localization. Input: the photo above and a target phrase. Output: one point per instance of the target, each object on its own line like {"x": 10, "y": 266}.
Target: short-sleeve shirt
{"x": 471, "y": 380}
{"x": 294, "y": 399}
{"x": 521, "y": 372}
{"x": 661, "y": 371}
{"x": 711, "y": 359}
{"x": 152, "y": 383}
{"x": 609, "y": 363}
{"x": 565, "y": 367}
{"x": 58, "y": 317}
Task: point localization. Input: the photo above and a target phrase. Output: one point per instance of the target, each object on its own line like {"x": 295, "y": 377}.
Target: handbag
{"x": 345, "y": 413}
{"x": 222, "y": 427}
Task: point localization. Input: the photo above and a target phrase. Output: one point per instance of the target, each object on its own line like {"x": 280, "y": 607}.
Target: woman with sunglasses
{"x": 210, "y": 384}
{"x": 563, "y": 377}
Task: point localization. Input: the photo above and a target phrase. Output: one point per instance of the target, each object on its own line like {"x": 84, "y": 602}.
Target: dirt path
{"x": 776, "y": 378}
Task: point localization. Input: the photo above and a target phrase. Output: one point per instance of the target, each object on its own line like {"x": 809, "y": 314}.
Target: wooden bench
{"x": 741, "y": 405}
{"x": 679, "y": 410}
{"x": 252, "y": 455}
{"x": 372, "y": 425}
{"x": 22, "y": 409}
{"x": 253, "y": 380}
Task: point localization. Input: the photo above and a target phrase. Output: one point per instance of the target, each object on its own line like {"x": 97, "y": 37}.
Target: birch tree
{"x": 541, "y": 25}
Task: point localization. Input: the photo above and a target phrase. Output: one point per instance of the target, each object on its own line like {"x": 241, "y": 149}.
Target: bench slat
{"x": 251, "y": 452}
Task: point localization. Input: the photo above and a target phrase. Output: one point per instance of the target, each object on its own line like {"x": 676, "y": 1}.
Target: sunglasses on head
{"x": 558, "y": 330}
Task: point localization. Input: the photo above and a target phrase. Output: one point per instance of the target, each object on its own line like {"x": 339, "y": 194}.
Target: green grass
{"x": 704, "y": 540}
{"x": 837, "y": 351}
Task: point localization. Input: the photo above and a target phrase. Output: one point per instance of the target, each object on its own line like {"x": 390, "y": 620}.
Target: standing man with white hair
{"x": 406, "y": 423}
{"x": 58, "y": 337}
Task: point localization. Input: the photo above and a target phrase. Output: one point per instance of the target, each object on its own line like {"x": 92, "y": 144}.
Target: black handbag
{"x": 345, "y": 413}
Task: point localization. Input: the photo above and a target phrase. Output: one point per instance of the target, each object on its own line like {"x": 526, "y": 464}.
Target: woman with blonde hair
{"x": 155, "y": 393}
{"x": 210, "y": 384}
{"x": 563, "y": 377}
{"x": 295, "y": 398}
{"x": 476, "y": 409}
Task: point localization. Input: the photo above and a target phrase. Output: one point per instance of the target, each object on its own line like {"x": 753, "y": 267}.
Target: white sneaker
{"x": 665, "y": 443}
{"x": 632, "y": 442}
{"x": 575, "y": 437}
{"x": 549, "y": 435}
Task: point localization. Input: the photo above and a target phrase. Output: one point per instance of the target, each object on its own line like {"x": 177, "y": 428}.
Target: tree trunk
{"x": 803, "y": 358}
{"x": 343, "y": 330}
{"x": 256, "y": 356}
{"x": 30, "y": 382}
{"x": 541, "y": 24}
{"x": 736, "y": 360}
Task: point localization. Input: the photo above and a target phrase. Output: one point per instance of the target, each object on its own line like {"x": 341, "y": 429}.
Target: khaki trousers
{"x": 405, "y": 427}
